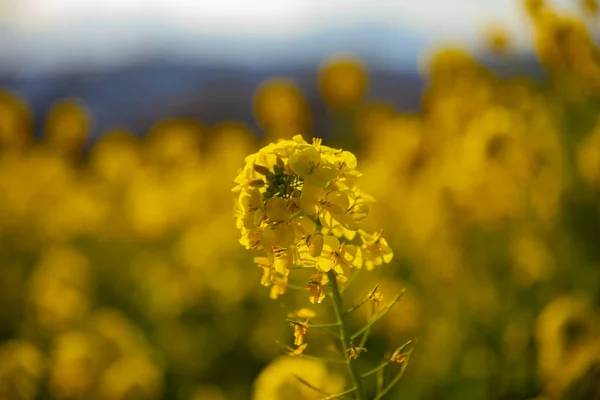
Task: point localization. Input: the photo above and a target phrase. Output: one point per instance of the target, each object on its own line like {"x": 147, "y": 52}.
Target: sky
{"x": 38, "y": 35}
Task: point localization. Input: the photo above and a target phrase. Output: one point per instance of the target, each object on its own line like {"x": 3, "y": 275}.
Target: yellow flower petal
{"x": 276, "y": 210}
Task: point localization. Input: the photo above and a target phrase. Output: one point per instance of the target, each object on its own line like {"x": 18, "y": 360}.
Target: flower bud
{"x": 261, "y": 169}
{"x": 256, "y": 183}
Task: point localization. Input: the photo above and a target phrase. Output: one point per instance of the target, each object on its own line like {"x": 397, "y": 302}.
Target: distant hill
{"x": 137, "y": 95}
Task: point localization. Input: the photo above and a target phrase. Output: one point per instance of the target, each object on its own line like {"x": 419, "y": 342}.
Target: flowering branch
{"x": 345, "y": 335}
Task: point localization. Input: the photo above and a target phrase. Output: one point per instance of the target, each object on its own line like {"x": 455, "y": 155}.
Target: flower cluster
{"x": 299, "y": 203}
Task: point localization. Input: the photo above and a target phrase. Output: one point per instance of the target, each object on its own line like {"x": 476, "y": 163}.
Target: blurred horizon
{"x": 41, "y": 38}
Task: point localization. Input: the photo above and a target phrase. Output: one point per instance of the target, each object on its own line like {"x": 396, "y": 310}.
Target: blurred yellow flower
{"x": 343, "y": 82}
{"x": 15, "y": 122}
{"x": 278, "y": 380}
{"x": 280, "y": 108}
{"x": 68, "y": 126}
{"x": 21, "y": 368}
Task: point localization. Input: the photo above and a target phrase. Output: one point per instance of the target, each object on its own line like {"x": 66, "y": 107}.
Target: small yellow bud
{"x": 256, "y": 183}
{"x": 280, "y": 163}
{"x": 261, "y": 169}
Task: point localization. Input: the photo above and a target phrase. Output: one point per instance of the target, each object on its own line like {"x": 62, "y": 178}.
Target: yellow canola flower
{"x": 279, "y": 380}
{"x": 280, "y": 108}
{"x": 337, "y": 256}
{"x": 343, "y": 82}
{"x": 375, "y": 249}
{"x": 21, "y": 367}
{"x": 67, "y": 126}
{"x": 300, "y": 204}
{"x": 15, "y": 122}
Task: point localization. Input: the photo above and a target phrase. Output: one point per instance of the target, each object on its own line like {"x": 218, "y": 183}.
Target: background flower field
{"x": 122, "y": 275}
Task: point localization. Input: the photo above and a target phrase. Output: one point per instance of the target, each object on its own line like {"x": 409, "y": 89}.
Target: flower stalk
{"x": 338, "y": 306}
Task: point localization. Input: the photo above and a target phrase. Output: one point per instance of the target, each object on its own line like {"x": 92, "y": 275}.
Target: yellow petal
{"x": 315, "y": 245}
{"x": 281, "y": 235}
{"x": 276, "y": 209}
{"x": 331, "y": 244}
{"x": 310, "y": 197}
{"x": 337, "y": 202}
{"x": 304, "y": 226}
{"x": 325, "y": 264}
{"x": 346, "y": 161}
{"x": 321, "y": 175}
{"x": 305, "y": 161}
{"x": 353, "y": 256}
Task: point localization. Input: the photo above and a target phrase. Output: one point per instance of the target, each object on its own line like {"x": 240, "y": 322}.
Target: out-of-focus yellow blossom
{"x": 343, "y": 82}
{"x": 293, "y": 199}
{"x": 532, "y": 257}
{"x": 174, "y": 142}
{"x": 497, "y": 40}
{"x": 209, "y": 393}
{"x": 568, "y": 338}
{"x": 117, "y": 335}
{"x": 278, "y": 381}
{"x": 21, "y": 367}
{"x": 131, "y": 378}
{"x": 75, "y": 365}
{"x": 588, "y": 158}
{"x": 59, "y": 289}
{"x": 67, "y": 126}
{"x": 15, "y": 122}
{"x": 566, "y": 47}
{"x": 534, "y": 7}
{"x": 115, "y": 156}
{"x": 280, "y": 108}
{"x": 589, "y": 6}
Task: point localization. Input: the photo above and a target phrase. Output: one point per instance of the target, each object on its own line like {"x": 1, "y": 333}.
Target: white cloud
{"x": 260, "y": 17}
{"x": 53, "y": 30}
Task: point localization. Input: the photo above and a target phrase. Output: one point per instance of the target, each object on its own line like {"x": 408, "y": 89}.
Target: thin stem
{"x": 356, "y": 307}
{"x": 329, "y": 325}
{"x": 331, "y": 333}
{"x": 363, "y": 301}
{"x": 376, "y": 369}
{"x": 338, "y": 306}
{"x": 324, "y": 359}
{"x": 397, "y": 377}
{"x": 363, "y": 341}
{"x": 340, "y": 395}
{"x": 308, "y": 384}
{"x": 350, "y": 280}
{"x": 380, "y": 380}
{"x": 381, "y": 315}
{"x": 296, "y": 287}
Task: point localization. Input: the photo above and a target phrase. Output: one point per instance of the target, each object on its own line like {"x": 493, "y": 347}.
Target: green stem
{"x": 329, "y": 325}
{"x": 345, "y": 335}
{"x": 324, "y": 359}
{"x": 340, "y": 395}
{"x": 374, "y": 370}
{"x": 396, "y": 378}
{"x": 379, "y": 316}
{"x": 366, "y": 333}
